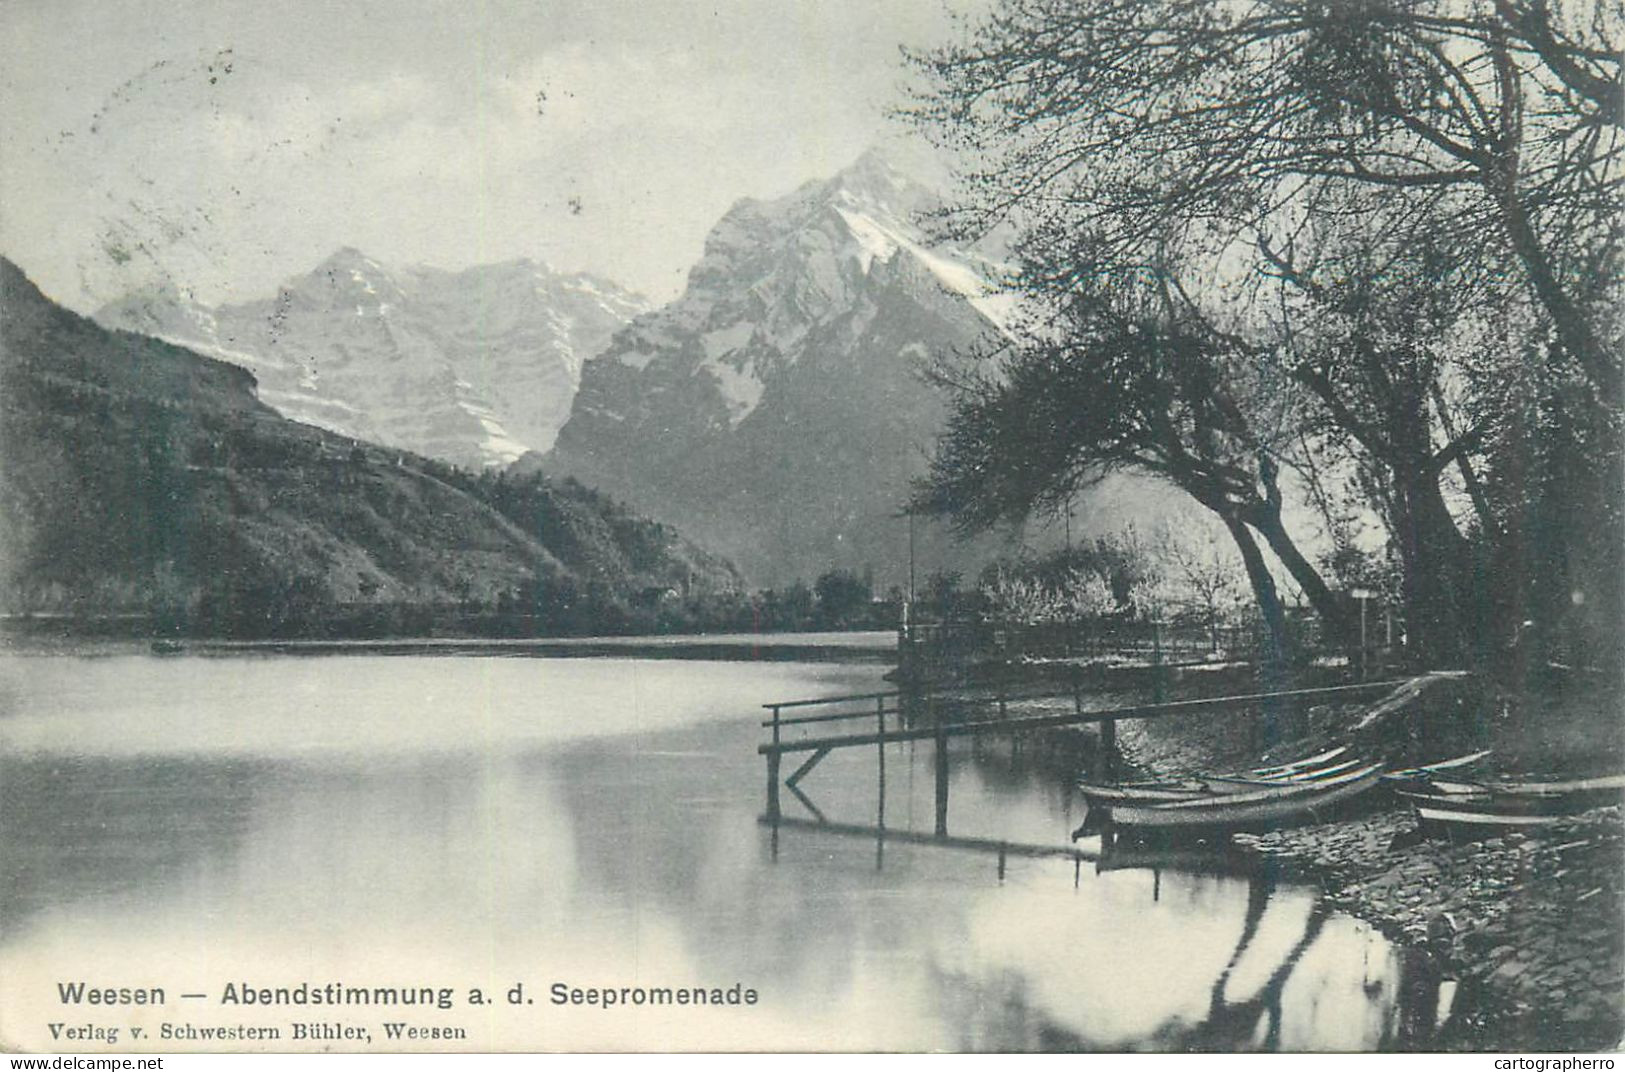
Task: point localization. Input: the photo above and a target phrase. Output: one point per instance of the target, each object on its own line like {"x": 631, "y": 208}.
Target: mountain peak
{"x": 473, "y": 366}
{"x": 348, "y": 278}
{"x": 347, "y": 257}
{"x": 513, "y": 264}
{"x": 349, "y": 262}
{"x": 875, "y": 170}
{"x": 875, "y": 185}
{"x": 766, "y": 403}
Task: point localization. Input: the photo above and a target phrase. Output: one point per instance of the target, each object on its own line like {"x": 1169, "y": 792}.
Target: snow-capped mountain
{"x": 775, "y": 408}
{"x": 475, "y": 367}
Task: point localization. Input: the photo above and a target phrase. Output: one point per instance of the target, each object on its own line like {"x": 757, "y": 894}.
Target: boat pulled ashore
{"x": 1423, "y": 775}
{"x": 1260, "y": 807}
{"x": 1473, "y": 809}
{"x": 1281, "y": 776}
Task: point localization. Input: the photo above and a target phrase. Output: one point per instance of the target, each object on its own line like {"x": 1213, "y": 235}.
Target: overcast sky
{"x": 229, "y": 144}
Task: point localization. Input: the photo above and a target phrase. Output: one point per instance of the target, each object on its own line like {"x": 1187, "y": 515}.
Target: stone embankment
{"x": 1529, "y": 923}
{"x": 1532, "y": 925}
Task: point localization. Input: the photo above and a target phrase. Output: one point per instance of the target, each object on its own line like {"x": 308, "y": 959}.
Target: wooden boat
{"x": 1439, "y": 787}
{"x": 1265, "y": 806}
{"x": 1424, "y": 774}
{"x": 1310, "y": 762}
{"x": 1469, "y": 808}
{"x": 1278, "y": 778}
{"x": 1301, "y": 764}
{"x": 1591, "y": 792}
{"x": 1244, "y": 781}
{"x": 1105, "y": 796}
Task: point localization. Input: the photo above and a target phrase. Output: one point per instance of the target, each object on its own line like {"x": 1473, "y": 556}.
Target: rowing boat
{"x": 1423, "y": 775}
{"x": 1300, "y": 764}
{"x": 1267, "y": 779}
{"x": 1468, "y": 808}
{"x": 1264, "y": 806}
{"x": 1243, "y": 781}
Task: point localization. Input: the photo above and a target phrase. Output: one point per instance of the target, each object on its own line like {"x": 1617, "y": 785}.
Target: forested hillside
{"x": 137, "y": 477}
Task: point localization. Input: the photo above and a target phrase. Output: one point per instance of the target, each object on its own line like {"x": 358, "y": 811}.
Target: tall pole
{"x": 1364, "y": 596}
{"x": 773, "y": 778}
{"x": 1364, "y": 650}
{"x": 1156, "y": 659}
{"x": 911, "y": 555}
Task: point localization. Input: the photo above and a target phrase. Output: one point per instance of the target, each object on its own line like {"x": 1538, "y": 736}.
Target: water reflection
{"x": 594, "y": 822}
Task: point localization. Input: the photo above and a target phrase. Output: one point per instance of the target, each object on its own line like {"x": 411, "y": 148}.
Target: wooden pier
{"x": 928, "y": 723}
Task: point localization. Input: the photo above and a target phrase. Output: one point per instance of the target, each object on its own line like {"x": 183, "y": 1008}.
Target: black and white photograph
{"x": 773, "y": 526}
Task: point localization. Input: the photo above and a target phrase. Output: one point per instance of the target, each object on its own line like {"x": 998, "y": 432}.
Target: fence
{"x": 1237, "y": 638}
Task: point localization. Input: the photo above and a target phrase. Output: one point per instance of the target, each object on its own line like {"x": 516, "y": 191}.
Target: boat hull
{"x": 1463, "y": 809}
{"x": 1264, "y": 780}
{"x": 1264, "y": 809}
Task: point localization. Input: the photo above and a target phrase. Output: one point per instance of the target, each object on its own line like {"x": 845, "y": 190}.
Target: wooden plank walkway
{"x": 937, "y": 729}
{"x": 1032, "y": 722}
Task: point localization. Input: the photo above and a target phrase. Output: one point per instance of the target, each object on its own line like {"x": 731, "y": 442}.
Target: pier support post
{"x": 880, "y": 752}
{"x": 942, "y": 772}
{"x": 773, "y": 773}
{"x": 942, "y": 785}
{"x": 1108, "y": 747}
{"x": 773, "y": 787}
{"x": 1158, "y": 689}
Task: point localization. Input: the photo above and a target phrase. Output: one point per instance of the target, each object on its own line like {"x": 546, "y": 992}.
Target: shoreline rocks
{"x": 1529, "y": 922}
{"x": 1532, "y": 924}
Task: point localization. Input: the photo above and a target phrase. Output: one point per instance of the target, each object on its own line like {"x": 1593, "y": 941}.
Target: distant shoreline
{"x": 870, "y": 646}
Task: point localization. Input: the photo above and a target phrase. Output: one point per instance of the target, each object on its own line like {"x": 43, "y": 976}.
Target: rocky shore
{"x": 1531, "y": 925}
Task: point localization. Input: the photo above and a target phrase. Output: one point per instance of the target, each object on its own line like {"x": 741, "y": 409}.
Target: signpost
{"x": 1364, "y": 595}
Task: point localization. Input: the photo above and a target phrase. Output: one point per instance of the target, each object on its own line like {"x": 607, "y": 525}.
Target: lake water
{"x": 480, "y": 822}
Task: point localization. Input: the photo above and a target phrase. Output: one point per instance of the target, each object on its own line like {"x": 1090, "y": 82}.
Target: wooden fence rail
{"x": 940, "y": 730}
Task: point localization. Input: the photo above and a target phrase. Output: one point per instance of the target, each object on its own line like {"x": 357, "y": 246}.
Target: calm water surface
{"x": 480, "y": 822}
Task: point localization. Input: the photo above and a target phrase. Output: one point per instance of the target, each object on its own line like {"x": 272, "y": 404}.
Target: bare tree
{"x": 1211, "y": 125}
{"x": 1123, "y": 384}
{"x": 1336, "y": 200}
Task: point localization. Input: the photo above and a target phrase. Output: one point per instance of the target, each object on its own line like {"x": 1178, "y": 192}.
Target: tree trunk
{"x": 1436, "y": 585}
{"x": 1333, "y": 615}
{"x": 1263, "y": 592}
{"x": 1464, "y": 465}
{"x": 1269, "y": 603}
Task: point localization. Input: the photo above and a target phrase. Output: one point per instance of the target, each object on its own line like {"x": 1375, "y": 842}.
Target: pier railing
{"x": 1188, "y": 636}
{"x": 935, "y": 726}
{"x": 901, "y": 703}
